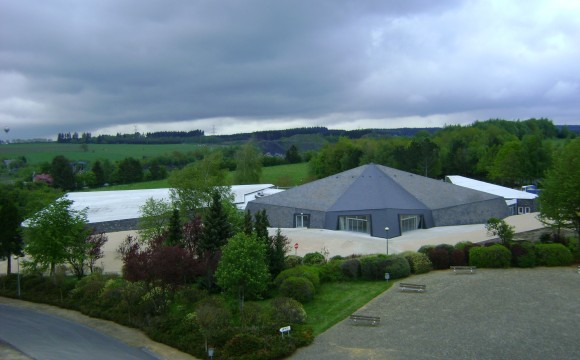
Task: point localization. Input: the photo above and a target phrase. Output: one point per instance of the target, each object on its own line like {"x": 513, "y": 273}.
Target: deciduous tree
{"x": 248, "y": 164}
{"x": 154, "y": 220}
{"x": 10, "y": 237}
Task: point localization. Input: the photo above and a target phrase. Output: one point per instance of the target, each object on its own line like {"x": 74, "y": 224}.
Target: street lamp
{"x": 387, "y": 230}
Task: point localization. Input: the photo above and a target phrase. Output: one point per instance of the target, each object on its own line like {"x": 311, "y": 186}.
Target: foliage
{"x": 397, "y": 266}
{"x": 279, "y": 245}
{"x": 213, "y": 317}
{"x": 560, "y": 198}
{"x": 242, "y": 270}
{"x": 192, "y": 187}
{"x": 331, "y": 271}
{"x": 62, "y": 173}
{"x": 314, "y": 258}
{"x": 439, "y": 257}
{"x": 523, "y": 254}
{"x": 129, "y": 171}
{"x": 216, "y": 227}
{"x": 418, "y": 262}
{"x": 175, "y": 231}
{"x": 248, "y": 164}
{"x": 10, "y": 236}
{"x": 243, "y": 344}
{"x": 298, "y": 288}
{"x": 261, "y": 224}
{"x": 154, "y": 219}
{"x": 309, "y": 272}
{"x": 292, "y": 156}
{"x": 373, "y": 267}
{"x": 351, "y": 268}
{"x": 495, "y": 256}
{"x": 553, "y": 255}
{"x": 501, "y": 229}
{"x": 288, "y": 310}
{"x": 291, "y": 261}
{"x": 55, "y": 234}
{"x": 84, "y": 253}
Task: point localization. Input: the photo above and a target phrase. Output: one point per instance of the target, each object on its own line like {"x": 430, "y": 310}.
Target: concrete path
{"x": 513, "y": 314}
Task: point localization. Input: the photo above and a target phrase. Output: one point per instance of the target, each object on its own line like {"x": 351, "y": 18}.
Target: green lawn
{"x": 337, "y": 300}
{"x": 285, "y": 175}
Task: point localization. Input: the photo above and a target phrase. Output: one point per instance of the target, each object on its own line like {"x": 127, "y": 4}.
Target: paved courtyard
{"x": 494, "y": 314}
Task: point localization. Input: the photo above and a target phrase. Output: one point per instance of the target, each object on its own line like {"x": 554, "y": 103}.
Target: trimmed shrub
{"x": 351, "y": 268}
{"x": 331, "y": 271}
{"x": 523, "y": 254}
{"x": 298, "y": 288}
{"x": 465, "y": 246}
{"x": 373, "y": 267}
{"x": 309, "y": 272}
{"x": 314, "y": 258}
{"x": 397, "y": 266}
{"x": 457, "y": 258}
{"x": 287, "y": 310}
{"x": 553, "y": 255}
{"x": 418, "y": 262}
{"x": 291, "y": 261}
{"x": 425, "y": 249}
{"x": 439, "y": 258}
{"x": 336, "y": 257}
{"x": 495, "y": 256}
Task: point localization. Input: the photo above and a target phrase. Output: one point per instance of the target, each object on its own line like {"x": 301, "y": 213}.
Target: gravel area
{"x": 493, "y": 314}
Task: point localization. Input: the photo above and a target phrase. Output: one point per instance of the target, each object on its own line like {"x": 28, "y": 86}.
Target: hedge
{"x": 553, "y": 255}
{"x": 418, "y": 262}
{"x": 523, "y": 254}
{"x": 297, "y": 288}
{"x": 309, "y": 272}
{"x": 397, "y": 266}
{"x": 314, "y": 258}
{"x": 495, "y": 256}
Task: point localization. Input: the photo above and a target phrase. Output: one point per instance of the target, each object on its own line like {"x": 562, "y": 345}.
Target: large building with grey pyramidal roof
{"x": 371, "y": 198}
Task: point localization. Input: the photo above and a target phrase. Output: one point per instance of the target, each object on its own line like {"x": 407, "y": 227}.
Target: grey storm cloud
{"x": 104, "y": 66}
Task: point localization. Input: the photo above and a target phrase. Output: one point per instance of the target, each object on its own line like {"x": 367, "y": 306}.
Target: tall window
{"x": 411, "y": 222}
{"x": 357, "y": 223}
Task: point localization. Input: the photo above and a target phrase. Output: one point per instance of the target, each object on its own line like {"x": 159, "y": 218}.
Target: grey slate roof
{"x": 375, "y": 187}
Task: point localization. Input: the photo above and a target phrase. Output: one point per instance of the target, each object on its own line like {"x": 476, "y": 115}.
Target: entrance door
{"x": 302, "y": 220}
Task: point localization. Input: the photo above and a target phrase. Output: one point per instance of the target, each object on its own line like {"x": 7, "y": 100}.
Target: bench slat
{"x": 412, "y": 287}
{"x": 373, "y": 320}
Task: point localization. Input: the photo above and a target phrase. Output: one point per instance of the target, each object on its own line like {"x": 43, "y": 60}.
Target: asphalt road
{"x": 47, "y": 337}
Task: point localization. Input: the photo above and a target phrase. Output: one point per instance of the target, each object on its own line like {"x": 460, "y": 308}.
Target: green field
{"x": 44, "y": 152}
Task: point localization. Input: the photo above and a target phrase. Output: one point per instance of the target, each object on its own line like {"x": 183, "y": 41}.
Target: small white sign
{"x": 285, "y": 329}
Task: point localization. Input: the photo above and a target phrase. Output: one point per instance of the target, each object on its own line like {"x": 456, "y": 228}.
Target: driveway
{"x": 494, "y": 314}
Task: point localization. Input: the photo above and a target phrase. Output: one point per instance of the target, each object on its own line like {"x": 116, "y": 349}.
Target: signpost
{"x": 387, "y": 276}
{"x": 296, "y": 249}
{"x": 285, "y": 330}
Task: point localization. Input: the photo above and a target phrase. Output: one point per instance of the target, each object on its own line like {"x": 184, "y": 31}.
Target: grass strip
{"x": 335, "y": 301}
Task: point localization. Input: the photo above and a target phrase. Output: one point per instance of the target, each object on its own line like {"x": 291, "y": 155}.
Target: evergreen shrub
{"x": 373, "y": 267}
{"x": 331, "y": 271}
{"x": 314, "y": 258}
{"x": 397, "y": 266}
{"x": 418, "y": 262}
{"x": 291, "y": 261}
{"x": 288, "y": 311}
{"x": 351, "y": 268}
{"x": 244, "y": 346}
{"x": 494, "y": 256}
{"x": 298, "y": 288}
{"x": 553, "y": 255}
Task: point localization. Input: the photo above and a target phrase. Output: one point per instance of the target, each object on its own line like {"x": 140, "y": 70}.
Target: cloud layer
{"x": 108, "y": 66}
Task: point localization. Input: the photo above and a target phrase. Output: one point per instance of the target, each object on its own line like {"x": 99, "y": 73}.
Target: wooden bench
{"x": 412, "y": 287}
{"x": 463, "y": 269}
{"x": 372, "y": 320}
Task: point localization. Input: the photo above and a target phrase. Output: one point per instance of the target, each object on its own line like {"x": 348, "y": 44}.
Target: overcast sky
{"x": 228, "y": 66}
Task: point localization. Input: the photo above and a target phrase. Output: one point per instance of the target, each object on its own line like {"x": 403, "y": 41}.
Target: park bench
{"x": 412, "y": 287}
{"x": 372, "y": 320}
{"x": 463, "y": 269}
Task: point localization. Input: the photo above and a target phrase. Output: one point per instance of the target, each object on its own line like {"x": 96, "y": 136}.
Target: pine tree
{"x": 175, "y": 235}
{"x": 248, "y": 223}
{"x": 10, "y": 238}
{"x": 216, "y": 227}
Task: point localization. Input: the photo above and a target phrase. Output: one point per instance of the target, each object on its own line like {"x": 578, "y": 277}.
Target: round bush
{"x": 425, "y": 249}
{"x": 288, "y": 310}
{"x": 373, "y": 267}
{"x": 291, "y": 261}
{"x": 523, "y": 254}
{"x": 298, "y": 288}
{"x": 553, "y": 255}
{"x": 418, "y": 262}
{"x": 351, "y": 268}
{"x": 314, "y": 258}
{"x": 457, "y": 258}
{"x": 397, "y": 266}
{"x": 495, "y": 256}
{"x": 309, "y": 272}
